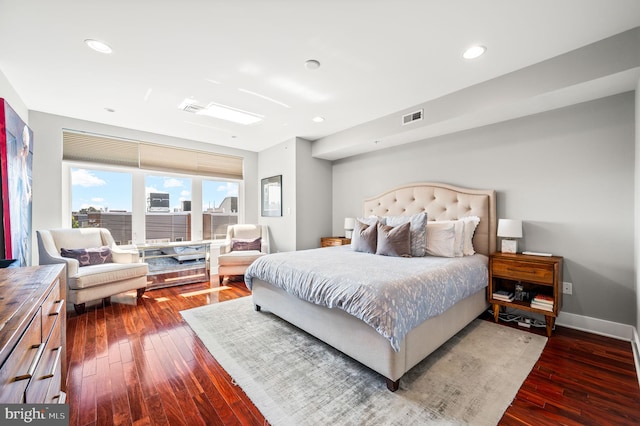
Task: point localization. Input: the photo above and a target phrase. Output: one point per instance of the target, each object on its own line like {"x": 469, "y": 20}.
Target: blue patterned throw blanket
{"x": 391, "y": 294}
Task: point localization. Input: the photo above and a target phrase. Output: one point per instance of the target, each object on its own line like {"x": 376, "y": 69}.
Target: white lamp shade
{"x": 510, "y": 228}
{"x": 349, "y": 223}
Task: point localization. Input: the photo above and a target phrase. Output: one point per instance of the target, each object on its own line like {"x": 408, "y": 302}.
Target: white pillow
{"x": 441, "y": 238}
{"x": 470, "y": 225}
{"x": 463, "y": 230}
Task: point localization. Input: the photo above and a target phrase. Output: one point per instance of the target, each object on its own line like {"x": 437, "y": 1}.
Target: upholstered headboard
{"x": 441, "y": 202}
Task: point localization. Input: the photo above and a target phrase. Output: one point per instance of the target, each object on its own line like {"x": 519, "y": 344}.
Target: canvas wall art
{"x": 16, "y": 160}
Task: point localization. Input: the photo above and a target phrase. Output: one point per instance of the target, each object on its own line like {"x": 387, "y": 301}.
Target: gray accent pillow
{"x": 418, "y": 231}
{"x": 89, "y": 256}
{"x": 364, "y": 237}
{"x": 243, "y": 244}
{"x": 394, "y": 241}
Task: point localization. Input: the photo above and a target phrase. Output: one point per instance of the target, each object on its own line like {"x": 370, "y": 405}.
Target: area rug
{"x": 295, "y": 379}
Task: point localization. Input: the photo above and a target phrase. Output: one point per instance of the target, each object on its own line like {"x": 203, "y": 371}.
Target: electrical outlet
{"x": 567, "y": 288}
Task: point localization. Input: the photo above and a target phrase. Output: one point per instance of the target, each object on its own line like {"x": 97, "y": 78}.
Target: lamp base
{"x": 509, "y": 246}
{"x": 348, "y": 233}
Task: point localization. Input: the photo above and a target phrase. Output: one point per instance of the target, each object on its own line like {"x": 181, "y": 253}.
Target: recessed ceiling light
{"x": 312, "y": 64}
{"x": 98, "y": 46}
{"x": 318, "y": 119}
{"x": 474, "y": 52}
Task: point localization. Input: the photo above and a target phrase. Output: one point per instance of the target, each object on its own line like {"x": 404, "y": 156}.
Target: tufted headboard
{"x": 441, "y": 202}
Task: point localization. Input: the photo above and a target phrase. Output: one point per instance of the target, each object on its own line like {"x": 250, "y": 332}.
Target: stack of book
{"x": 503, "y": 295}
{"x": 542, "y": 301}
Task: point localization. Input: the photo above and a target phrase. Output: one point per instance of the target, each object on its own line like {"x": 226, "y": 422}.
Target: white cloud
{"x": 173, "y": 183}
{"x": 83, "y": 177}
{"x": 185, "y": 193}
{"x": 97, "y": 200}
{"x": 230, "y": 189}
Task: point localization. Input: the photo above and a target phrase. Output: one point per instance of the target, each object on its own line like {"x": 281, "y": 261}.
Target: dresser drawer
{"x": 20, "y": 365}
{"x": 524, "y": 271}
{"x": 49, "y": 365}
{"x": 51, "y": 309}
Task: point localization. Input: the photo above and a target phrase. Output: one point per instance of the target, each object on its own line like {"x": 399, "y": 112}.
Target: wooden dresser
{"x": 33, "y": 334}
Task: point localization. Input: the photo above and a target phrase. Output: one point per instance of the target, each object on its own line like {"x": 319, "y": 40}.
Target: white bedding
{"x": 391, "y": 294}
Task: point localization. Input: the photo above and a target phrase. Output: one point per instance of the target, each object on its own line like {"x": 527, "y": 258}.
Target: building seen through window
{"x": 103, "y": 198}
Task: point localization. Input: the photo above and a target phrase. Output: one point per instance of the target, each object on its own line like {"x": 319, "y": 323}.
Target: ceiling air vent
{"x": 410, "y": 118}
{"x": 190, "y": 105}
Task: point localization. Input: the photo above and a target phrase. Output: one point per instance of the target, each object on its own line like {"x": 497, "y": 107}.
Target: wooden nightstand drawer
{"x": 334, "y": 241}
{"x": 522, "y": 270}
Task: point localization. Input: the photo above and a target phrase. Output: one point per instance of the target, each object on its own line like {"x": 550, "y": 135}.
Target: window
{"x": 219, "y": 208}
{"x": 157, "y": 182}
{"x": 102, "y": 198}
{"x": 168, "y": 215}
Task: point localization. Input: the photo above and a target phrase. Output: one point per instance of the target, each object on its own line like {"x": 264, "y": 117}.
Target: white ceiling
{"x": 378, "y": 57}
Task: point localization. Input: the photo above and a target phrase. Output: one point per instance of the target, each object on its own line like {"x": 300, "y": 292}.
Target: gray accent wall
{"x": 306, "y": 195}
{"x": 567, "y": 173}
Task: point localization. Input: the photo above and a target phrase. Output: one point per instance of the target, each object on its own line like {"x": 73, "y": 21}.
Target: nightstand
{"x": 538, "y": 279}
{"x": 334, "y": 241}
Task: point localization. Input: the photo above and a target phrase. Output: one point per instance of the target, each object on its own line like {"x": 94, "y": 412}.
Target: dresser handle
{"x": 57, "y": 312}
{"x": 34, "y": 363}
{"x": 55, "y": 364}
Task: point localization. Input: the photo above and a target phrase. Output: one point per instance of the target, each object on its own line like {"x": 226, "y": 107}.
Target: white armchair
{"x": 241, "y": 248}
{"x": 95, "y": 281}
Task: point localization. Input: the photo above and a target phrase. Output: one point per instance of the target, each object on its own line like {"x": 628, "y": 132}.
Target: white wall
{"x": 10, "y": 95}
{"x": 51, "y": 185}
{"x": 568, "y": 174}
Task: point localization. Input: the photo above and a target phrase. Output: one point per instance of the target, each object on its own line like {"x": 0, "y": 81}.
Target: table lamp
{"x": 509, "y": 229}
{"x": 349, "y": 224}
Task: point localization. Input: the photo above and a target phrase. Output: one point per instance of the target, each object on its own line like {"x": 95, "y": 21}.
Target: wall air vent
{"x": 410, "y": 118}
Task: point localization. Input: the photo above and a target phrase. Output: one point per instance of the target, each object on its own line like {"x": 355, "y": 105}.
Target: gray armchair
{"x": 95, "y": 281}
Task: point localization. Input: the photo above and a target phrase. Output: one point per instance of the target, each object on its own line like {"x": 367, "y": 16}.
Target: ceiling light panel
{"x": 221, "y": 112}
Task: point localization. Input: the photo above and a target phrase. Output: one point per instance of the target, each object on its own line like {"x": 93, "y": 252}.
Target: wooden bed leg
{"x": 257, "y": 308}
{"x": 393, "y": 386}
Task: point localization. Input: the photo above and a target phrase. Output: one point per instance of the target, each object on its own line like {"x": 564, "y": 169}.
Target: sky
{"x": 107, "y": 190}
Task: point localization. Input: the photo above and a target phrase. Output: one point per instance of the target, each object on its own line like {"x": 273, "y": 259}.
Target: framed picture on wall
{"x": 271, "y": 196}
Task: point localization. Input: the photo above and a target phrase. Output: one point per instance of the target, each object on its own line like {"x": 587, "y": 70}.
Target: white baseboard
{"x": 597, "y": 326}
{"x": 604, "y": 328}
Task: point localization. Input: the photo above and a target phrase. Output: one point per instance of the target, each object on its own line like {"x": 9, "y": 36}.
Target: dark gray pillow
{"x": 364, "y": 237}
{"x": 394, "y": 241}
{"x": 243, "y": 244}
{"x": 89, "y": 256}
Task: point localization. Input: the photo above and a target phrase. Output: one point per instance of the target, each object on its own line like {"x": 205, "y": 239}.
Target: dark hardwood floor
{"x": 141, "y": 364}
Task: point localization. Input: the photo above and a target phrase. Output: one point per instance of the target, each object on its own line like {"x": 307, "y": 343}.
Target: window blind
{"x": 92, "y": 148}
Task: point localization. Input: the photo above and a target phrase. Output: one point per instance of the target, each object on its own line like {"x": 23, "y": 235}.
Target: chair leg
{"x": 140, "y": 292}
{"x": 221, "y": 279}
{"x": 79, "y": 308}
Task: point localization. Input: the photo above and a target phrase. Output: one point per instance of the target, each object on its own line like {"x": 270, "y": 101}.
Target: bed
{"x": 357, "y": 337}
